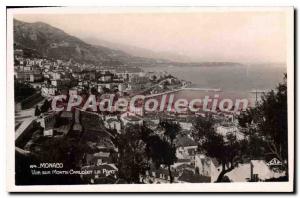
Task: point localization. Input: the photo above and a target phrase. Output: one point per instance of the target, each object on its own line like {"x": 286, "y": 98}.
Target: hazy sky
{"x": 205, "y": 36}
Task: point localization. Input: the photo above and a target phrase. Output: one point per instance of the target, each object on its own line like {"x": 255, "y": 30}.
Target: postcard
{"x": 150, "y": 99}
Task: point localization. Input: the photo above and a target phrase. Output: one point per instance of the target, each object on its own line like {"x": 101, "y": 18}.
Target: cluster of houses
{"x": 190, "y": 167}
{"x": 54, "y": 77}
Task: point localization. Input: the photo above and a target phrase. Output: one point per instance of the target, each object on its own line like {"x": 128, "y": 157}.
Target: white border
{"x": 203, "y": 187}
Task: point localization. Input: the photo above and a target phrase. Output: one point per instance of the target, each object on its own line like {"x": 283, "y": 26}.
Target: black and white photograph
{"x": 150, "y": 99}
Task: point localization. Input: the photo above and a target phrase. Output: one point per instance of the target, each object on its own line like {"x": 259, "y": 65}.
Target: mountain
{"x": 138, "y": 51}
{"x": 44, "y": 40}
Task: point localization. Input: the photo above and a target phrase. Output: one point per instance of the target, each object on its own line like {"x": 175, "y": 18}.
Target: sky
{"x": 202, "y": 36}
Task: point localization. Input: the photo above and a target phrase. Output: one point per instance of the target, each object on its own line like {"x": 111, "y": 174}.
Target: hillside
{"x": 138, "y": 51}
{"x": 44, "y": 40}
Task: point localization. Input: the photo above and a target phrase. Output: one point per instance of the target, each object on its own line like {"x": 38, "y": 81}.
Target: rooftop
{"x": 132, "y": 118}
{"x": 191, "y": 177}
{"x": 184, "y": 141}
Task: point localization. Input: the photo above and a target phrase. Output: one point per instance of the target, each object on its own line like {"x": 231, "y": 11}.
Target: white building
{"x": 203, "y": 165}
{"x": 73, "y": 92}
{"x": 48, "y": 91}
{"x": 56, "y": 76}
{"x": 186, "y": 125}
{"x": 130, "y": 118}
{"x": 230, "y": 129}
{"x": 47, "y": 122}
{"x": 262, "y": 171}
{"x": 256, "y": 170}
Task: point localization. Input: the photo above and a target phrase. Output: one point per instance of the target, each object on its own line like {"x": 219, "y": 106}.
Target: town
{"x": 129, "y": 146}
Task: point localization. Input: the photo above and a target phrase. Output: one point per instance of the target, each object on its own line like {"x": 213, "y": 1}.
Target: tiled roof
{"x": 183, "y": 141}
{"x": 190, "y": 177}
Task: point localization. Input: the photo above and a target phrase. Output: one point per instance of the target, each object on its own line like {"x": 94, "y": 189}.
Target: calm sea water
{"x": 240, "y": 79}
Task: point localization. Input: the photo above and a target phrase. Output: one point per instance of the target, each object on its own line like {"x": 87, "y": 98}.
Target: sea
{"x": 239, "y": 78}
{"x": 234, "y": 81}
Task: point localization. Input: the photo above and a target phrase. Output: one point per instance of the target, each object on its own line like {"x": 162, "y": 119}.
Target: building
{"x": 158, "y": 176}
{"x": 47, "y": 122}
{"x": 130, "y": 118}
{"x": 255, "y": 170}
{"x": 188, "y": 176}
{"x": 137, "y": 110}
{"x": 73, "y": 91}
{"x": 186, "y": 147}
{"x": 23, "y": 75}
{"x": 61, "y": 82}
{"x": 261, "y": 170}
{"x": 48, "y": 91}
{"x": 56, "y": 75}
{"x": 226, "y": 129}
{"x": 202, "y": 165}
{"x": 35, "y": 77}
{"x": 186, "y": 125}
{"x": 105, "y": 77}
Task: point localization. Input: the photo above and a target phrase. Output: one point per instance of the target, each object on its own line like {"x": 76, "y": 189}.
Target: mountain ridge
{"x": 139, "y": 51}
{"x": 52, "y": 42}
{"x": 44, "y": 40}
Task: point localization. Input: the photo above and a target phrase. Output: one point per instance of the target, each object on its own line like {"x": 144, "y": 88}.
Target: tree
{"x": 268, "y": 122}
{"x": 132, "y": 161}
{"x": 37, "y": 111}
{"x": 161, "y": 152}
{"x": 202, "y": 127}
{"x": 169, "y": 150}
{"x": 171, "y": 129}
{"x": 226, "y": 150}
{"x": 137, "y": 146}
